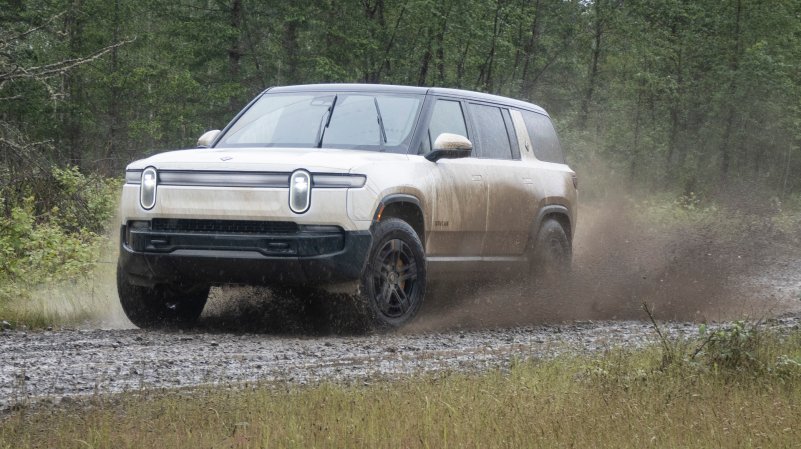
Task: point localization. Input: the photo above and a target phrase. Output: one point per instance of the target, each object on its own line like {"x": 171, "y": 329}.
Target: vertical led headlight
{"x": 300, "y": 191}
{"x": 147, "y": 189}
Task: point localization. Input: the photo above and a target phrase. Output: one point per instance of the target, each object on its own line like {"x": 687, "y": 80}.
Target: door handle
{"x": 476, "y": 177}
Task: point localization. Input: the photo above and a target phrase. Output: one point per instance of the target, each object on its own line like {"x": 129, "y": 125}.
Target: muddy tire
{"x": 394, "y": 280}
{"x": 160, "y": 306}
{"x": 551, "y": 253}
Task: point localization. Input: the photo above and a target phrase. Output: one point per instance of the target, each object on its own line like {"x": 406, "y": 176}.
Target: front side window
{"x": 447, "y": 117}
{"x": 362, "y": 121}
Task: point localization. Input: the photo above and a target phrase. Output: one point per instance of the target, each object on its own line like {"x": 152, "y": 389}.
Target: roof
{"x": 390, "y": 88}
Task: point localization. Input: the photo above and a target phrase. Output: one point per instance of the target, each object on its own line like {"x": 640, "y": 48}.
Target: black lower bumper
{"x": 304, "y": 257}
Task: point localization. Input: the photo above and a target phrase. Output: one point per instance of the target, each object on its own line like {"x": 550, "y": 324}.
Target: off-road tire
{"x": 160, "y": 306}
{"x": 551, "y": 254}
{"x": 393, "y": 283}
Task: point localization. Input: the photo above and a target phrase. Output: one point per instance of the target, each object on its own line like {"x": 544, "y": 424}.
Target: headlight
{"x": 339, "y": 181}
{"x": 300, "y": 191}
{"x": 147, "y": 189}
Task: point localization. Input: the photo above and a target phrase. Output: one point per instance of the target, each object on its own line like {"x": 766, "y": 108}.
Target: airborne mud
{"x": 694, "y": 271}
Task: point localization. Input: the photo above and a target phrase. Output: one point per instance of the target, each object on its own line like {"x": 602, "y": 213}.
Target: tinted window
{"x": 543, "y": 137}
{"x": 493, "y": 140}
{"x": 447, "y": 117}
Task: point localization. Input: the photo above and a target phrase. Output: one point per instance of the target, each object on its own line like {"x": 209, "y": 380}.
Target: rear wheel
{"x": 394, "y": 280}
{"x": 160, "y": 305}
{"x": 552, "y": 252}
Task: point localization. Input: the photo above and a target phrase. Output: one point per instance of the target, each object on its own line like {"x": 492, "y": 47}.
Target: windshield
{"x": 361, "y": 121}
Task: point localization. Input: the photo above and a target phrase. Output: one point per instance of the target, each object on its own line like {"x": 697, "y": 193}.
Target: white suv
{"x": 377, "y": 187}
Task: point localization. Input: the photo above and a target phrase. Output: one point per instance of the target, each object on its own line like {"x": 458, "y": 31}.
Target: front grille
{"x": 223, "y": 226}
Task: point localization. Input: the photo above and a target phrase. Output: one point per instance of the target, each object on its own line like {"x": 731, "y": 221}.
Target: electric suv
{"x": 376, "y": 188}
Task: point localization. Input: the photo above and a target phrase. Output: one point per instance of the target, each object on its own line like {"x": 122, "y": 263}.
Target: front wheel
{"x": 394, "y": 280}
{"x": 160, "y": 305}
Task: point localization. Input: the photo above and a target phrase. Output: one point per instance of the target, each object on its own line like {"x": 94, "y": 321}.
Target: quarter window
{"x": 493, "y": 139}
{"x": 543, "y": 137}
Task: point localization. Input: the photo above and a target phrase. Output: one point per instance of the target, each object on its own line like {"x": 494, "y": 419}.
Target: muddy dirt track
{"x": 61, "y": 365}
{"x": 246, "y": 335}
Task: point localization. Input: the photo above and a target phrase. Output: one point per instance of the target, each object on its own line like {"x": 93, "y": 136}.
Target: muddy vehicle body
{"x": 382, "y": 188}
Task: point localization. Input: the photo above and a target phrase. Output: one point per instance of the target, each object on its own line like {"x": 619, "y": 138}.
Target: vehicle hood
{"x": 265, "y": 159}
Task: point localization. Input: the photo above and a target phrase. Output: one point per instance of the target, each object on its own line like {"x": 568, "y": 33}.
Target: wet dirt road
{"x": 62, "y": 364}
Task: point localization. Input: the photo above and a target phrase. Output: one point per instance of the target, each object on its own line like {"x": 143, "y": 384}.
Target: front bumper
{"x": 305, "y": 255}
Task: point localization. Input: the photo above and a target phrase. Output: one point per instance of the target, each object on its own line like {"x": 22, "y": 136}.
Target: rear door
{"x": 510, "y": 205}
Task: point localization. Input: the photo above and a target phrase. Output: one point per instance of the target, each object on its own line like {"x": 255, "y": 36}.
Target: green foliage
{"x": 733, "y": 351}
{"x": 734, "y": 347}
{"x": 84, "y": 203}
{"x": 686, "y": 95}
{"x": 58, "y": 244}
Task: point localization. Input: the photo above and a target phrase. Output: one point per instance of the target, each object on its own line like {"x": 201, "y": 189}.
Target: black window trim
{"x": 427, "y": 114}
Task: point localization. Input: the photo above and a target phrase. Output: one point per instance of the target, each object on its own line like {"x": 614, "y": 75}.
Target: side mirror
{"x": 450, "y": 146}
{"x": 207, "y": 138}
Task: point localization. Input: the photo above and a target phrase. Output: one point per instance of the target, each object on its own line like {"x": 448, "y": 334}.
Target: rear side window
{"x": 493, "y": 139}
{"x": 447, "y": 117}
{"x": 543, "y": 137}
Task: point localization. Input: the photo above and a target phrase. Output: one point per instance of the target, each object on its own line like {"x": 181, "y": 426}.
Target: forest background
{"x": 692, "y": 97}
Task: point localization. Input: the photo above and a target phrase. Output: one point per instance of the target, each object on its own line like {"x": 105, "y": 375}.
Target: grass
{"x": 89, "y": 298}
{"x": 621, "y": 399}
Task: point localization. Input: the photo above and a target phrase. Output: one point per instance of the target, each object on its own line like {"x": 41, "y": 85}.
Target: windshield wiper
{"x": 383, "y": 136}
{"x": 321, "y": 129}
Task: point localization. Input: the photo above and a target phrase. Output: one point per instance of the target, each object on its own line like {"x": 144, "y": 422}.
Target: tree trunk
{"x": 289, "y": 42}
{"x": 529, "y": 50}
{"x": 675, "y": 107}
{"x": 592, "y": 72}
{"x": 73, "y": 85}
{"x": 113, "y": 147}
{"x": 725, "y": 146}
{"x": 235, "y": 50}
{"x": 385, "y": 61}
{"x": 374, "y": 14}
{"x": 485, "y": 77}
{"x": 421, "y": 79}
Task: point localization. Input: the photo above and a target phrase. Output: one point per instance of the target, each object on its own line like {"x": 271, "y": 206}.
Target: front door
{"x": 459, "y": 217}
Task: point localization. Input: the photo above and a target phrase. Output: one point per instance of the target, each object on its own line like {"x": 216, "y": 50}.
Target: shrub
{"x": 734, "y": 347}
{"x": 60, "y": 243}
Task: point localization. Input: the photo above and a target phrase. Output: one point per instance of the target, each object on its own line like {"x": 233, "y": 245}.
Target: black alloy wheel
{"x": 552, "y": 253}
{"x": 394, "y": 278}
{"x": 394, "y": 281}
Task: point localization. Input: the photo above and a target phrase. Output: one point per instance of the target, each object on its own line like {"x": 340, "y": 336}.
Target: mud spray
{"x": 721, "y": 266}
{"x": 687, "y": 263}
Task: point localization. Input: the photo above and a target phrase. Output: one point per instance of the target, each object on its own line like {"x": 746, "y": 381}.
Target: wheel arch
{"x": 405, "y": 207}
{"x": 557, "y": 212}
